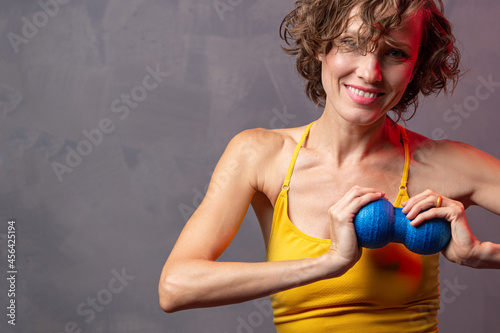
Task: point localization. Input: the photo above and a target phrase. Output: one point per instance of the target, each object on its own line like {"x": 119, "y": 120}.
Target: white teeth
{"x": 361, "y": 92}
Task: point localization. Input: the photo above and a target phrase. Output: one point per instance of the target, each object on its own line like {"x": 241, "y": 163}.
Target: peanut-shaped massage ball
{"x": 380, "y": 223}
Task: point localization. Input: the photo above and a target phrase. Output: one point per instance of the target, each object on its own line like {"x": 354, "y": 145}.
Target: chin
{"x": 364, "y": 118}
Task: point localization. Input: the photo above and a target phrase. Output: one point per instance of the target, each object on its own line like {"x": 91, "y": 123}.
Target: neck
{"x": 349, "y": 143}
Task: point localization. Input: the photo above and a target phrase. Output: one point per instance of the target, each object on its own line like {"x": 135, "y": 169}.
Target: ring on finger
{"x": 439, "y": 201}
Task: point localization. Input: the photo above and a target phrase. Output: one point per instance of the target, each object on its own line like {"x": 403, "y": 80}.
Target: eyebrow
{"x": 401, "y": 45}
{"x": 393, "y": 42}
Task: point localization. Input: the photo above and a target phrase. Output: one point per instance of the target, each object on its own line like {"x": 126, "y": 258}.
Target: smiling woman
{"x": 352, "y": 77}
{"x": 361, "y": 59}
{"x": 358, "y": 26}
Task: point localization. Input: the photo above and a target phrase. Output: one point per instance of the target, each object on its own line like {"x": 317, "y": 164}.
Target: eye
{"x": 398, "y": 54}
{"x": 350, "y": 43}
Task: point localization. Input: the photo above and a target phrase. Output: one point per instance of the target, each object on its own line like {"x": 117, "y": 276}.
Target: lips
{"x": 364, "y": 96}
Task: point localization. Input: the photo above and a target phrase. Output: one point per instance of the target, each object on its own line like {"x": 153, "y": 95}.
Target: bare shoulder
{"x": 455, "y": 169}
{"x": 264, "y": 143}
{"x": 265, "y": 153}
{"x": 259, "y": 142}
{"x": 445, "y": 152}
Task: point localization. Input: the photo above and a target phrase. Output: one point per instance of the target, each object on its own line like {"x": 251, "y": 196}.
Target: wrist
{"x": 486, "y": 255}
{"x": 334, "y": 266}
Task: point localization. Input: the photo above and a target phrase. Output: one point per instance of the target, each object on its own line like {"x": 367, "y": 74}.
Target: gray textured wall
{"x": 117, "y": 208}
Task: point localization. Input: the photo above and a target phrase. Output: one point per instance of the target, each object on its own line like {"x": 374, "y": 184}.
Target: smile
{"x": 363, "y": 97}
{"x": 362, "y": 93}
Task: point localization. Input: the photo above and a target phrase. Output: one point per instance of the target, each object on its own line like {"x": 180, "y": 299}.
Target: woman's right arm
{"x": 191, "y": 278}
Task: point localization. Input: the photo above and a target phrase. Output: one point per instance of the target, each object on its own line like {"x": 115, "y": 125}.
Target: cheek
{"x": 339, "y": 64}
{"x": 335, "y": 67}
{"x": 402, "y": 77}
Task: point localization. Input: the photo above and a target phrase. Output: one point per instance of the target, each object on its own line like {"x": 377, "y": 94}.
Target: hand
{"x": 343, "y": 235}
{"x": 463, "y": 244}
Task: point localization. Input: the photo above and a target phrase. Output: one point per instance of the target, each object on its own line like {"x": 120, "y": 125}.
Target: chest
{"x": 313, "y": 191}
{"x": 316, "y": 185}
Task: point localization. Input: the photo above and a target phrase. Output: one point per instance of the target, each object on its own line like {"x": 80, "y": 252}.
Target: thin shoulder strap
{"x": 406, "y": 171}
{"x": 403, "y": 188}
{"x": 286, "y": 183}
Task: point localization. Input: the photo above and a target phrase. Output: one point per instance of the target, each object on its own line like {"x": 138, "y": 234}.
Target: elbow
{"x": 167, "y": 297}
{"x": 179, "y": 288}
{"x": 167, "y": 305}
{"x": 170, "y": 295}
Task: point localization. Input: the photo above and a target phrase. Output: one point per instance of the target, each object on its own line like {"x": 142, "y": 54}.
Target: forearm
{"x": 202, "y": 283}
{"x": 487, "y": 255}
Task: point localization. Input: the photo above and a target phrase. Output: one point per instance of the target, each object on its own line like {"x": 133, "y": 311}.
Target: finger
{"x": 421, "y": 202}
{"x": 363, "y": 200}
{"x": 430, "y": 214}
{"x": 345, "y": 209}
{"x": 423, "y": 205}
{"x": 354, "y": 193}
{"x": 358, "y": 191}
{"x": 407, "y": 205}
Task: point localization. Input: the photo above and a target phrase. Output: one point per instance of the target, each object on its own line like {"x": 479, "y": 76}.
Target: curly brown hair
{"x": 314, "y": 27}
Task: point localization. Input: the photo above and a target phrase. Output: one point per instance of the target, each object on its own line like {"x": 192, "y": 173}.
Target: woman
{"x": 361, "y": 59}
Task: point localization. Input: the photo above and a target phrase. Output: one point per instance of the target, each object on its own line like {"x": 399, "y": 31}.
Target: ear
{"x": 320, "y": 57}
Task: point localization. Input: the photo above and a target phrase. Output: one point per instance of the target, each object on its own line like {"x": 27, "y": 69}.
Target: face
{"x": 362, "y": 86}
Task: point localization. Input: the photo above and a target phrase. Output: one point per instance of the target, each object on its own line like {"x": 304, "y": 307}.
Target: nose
{"x": 369, "y": 68}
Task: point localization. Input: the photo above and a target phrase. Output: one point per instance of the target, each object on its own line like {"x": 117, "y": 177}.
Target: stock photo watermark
{"x": 460, "y": 111}
{"x": 96, "y": 304}
{"x": 11, "y": 272}
{"x": 280, "y": 119}
{"x": 223, "y": 6}
{"x": 30, "y": 28}
{"x": 450, "y": 291}
{"x": 121, "y": 107}
{"x": 255, "y": 319}
{"x": 219, "y": 182}
{"x": 470, "y": 104}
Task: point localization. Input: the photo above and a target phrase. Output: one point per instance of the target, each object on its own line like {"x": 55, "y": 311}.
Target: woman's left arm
{"x": 479, "y": 174}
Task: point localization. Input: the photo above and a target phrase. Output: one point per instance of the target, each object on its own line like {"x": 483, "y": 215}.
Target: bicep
{"x": 483, "y": 173}
{"x": 216, "y": 221}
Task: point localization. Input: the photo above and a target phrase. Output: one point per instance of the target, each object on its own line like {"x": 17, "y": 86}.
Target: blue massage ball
{"x": 380, "y": 223}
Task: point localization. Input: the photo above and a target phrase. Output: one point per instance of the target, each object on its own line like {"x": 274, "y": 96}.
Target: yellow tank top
{"x": 390, "y": 289}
